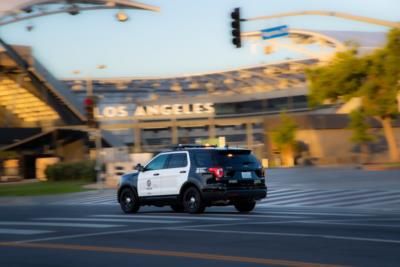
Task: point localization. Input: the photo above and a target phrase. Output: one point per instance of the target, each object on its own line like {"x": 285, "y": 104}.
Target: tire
{"x": 129, "y": 201}
{"x": 245, "y": 205}
{"x": 192, "y": 201}
{"x": 177, "y": 207}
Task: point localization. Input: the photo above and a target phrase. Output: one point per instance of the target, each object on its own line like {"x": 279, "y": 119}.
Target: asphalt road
{"x": 51, "y": 235}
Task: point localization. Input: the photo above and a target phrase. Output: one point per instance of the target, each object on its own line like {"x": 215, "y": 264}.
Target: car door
{"x": 149, "y": 178}
{"x": 175, "y": 174}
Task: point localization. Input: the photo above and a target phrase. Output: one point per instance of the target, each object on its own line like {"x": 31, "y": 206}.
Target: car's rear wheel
{"x": 178, "y": 207}
{"x": 245, "y": 205}
{"x": 129, "y": 201}
{"x": 192, "y": 201}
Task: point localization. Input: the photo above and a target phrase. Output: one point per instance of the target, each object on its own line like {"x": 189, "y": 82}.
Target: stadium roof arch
{"x": 17, "y": 10}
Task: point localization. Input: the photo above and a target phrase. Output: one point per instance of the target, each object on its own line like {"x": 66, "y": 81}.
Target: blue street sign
{"x": 275, "y": 32}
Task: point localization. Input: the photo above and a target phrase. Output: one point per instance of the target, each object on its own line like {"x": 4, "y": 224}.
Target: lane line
{"x": 353, "y": 238}
{"x": 87, "y": 235}
{"x": 124, "y": 231}
{"x": 9, "y": 231}
{"x": 335, "y": 222}
{"x": 197, "y": 218}
{"x": 105, "y": 220}
{"x": 78, "y": 225}
{"x": 167, "y": 253}
{"x": 316, "y": 213}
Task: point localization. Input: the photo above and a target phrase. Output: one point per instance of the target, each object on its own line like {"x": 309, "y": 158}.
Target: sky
{"x": 185, "y": 37}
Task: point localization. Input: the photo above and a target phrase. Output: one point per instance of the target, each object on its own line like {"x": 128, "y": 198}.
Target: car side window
{"x": 177, "y": 160}
{"x": 157, "y": 163}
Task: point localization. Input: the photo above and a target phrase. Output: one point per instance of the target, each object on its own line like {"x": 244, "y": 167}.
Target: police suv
{"x": 190, "y": 178}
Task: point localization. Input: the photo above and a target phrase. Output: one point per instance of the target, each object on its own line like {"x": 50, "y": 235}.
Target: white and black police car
{"x": 190, "y": 178}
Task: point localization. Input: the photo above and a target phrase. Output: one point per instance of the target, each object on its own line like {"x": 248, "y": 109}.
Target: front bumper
{"x": 225, "y": 193}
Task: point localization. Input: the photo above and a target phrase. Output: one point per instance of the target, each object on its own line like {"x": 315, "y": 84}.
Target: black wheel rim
{"x": 127, "y": 200}
{"x": 192, "y": 200}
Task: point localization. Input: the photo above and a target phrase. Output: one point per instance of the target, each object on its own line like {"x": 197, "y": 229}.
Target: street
{"x": 311, "y": 217}
{"x": 103, "y": 236}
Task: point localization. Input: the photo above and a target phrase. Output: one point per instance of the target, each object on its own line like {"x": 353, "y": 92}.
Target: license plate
{"x": 246, "y": 175}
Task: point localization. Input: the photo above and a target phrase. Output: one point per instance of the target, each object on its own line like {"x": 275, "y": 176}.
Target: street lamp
{"x": 122, "y": 16}
{"x": 73, "y": 10}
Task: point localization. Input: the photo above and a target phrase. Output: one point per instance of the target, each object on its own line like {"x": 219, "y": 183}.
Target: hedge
{"x": 74, "y": 171}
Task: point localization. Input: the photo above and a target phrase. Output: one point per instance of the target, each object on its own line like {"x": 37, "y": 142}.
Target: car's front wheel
{"x": 192, "y": 201}
{"x": 245, "y": 205}
{"x": 129, "y": 201}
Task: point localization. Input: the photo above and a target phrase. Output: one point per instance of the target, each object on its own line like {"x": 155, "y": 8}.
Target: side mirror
{"x": 139, "y": 167}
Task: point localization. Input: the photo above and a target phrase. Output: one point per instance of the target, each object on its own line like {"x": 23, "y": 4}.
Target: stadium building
{"x": 43, "y": 119}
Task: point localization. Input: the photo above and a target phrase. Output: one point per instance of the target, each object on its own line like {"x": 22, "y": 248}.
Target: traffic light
{"x": 90, "y": 104}
{"x": 236, "y": 40}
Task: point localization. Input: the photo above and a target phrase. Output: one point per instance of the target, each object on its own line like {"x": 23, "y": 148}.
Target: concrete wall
{"x": 334, "y": 146}
{"x": 75, "y": 151}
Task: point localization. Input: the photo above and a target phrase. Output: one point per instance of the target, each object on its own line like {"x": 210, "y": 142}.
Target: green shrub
{"x": 74, "y": 171}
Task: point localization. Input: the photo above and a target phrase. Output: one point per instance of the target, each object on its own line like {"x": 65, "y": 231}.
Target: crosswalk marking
{"x": 304, "y": 195}
{"x": 386, "y": 197}
{"x": 9, "y": 231}
{"x": 283, "y": 197}
{"x": 292, "y": 192}
{"x": 326, "y": 197}
{"x": 351, "y": 198}
{"x": 129, "y": 220}
{"x": 79, "y": 225}
{"x": 394, "y": 201}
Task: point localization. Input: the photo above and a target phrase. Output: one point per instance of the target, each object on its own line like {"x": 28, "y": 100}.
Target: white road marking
{"x": 333, "y": 222}
{"x": 317, "y": 213}
{"x": 314, "y": 198}
{"x": 9, "y": 231}
{"x": 127, "y": 220}
{"x": 347, "y": 199}
{"x": 82, "y": 225}
{"x": 380, "y": 240}
{"x": 368, "y": 201}
{"x": 394, "y": 201}
{"x": 88, "y": 235}
{"x": 291, "y": 192}
{"x": 197, "y": 218}
{"x": 136, "y": 230}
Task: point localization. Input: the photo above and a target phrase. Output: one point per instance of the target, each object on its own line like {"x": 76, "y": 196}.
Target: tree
{"x": 374, "y": 77}
{"x": 284, "y": 137}
{"x": 360, "y": 128}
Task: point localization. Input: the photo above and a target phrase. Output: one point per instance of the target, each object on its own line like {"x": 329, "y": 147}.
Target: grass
{"x": 41, "y": 188}
{"x": 392, "y": 164}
